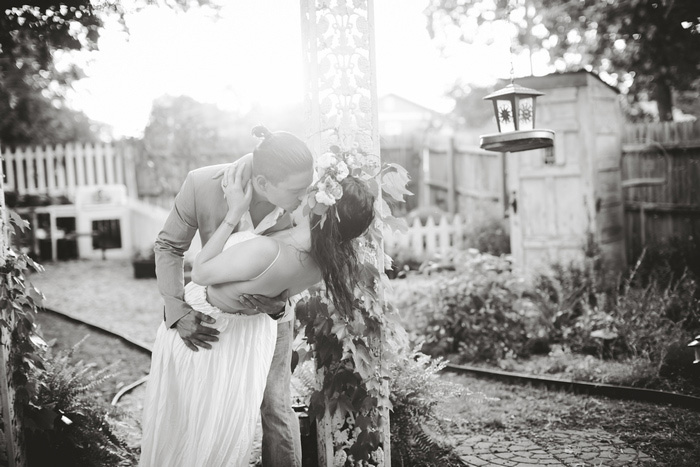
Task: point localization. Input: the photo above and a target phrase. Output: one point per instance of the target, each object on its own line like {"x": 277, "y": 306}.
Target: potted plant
{"x": 144, "y": 262}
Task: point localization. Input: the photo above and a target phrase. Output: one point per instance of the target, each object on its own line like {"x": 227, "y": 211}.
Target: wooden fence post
{"x": 451, "y": 169}
{"x": 12, "y": 426}
{"x": 425, "y": 186}
{"x": 126, "y": 168}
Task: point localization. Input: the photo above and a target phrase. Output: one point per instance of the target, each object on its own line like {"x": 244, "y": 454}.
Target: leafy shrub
{"x": 404, "y": 260}
{"x": 588, "y": 312}
{"x": 490, "y": 235}
{"x": 646, "y": 320}
{"x": 480, "y": 312}
{"x": 567, "y": 299}
{"x": 668, "y": 261}
{"x": 67, "y": 423}
{"x": 415, "y": 299}
{"x": 416, "y": 430}
{"x": 483, "y": 312}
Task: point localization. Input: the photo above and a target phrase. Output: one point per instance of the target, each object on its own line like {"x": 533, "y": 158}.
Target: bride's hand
{"x": 238, "y": 194}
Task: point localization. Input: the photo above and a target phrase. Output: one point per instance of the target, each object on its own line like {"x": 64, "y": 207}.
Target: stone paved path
{"x": 569, "y": 448}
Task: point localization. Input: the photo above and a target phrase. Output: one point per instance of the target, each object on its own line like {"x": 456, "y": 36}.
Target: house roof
{"x": 562, "y": 79}
{"x": 412, "y": 103}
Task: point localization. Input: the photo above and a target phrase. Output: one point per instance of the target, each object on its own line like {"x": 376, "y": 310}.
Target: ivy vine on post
{"x": 19, "y": 343}
{"x": 349, "y": 348}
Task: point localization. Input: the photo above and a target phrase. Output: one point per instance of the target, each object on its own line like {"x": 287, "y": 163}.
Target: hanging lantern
{"x": 514, "y": 107}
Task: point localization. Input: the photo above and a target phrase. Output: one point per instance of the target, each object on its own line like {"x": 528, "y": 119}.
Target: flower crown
{"x": 332, "y": 168}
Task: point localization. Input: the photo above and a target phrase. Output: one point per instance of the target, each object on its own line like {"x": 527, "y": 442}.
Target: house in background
{"x": 403, "y": 126}
{"x": 400, "y": 116}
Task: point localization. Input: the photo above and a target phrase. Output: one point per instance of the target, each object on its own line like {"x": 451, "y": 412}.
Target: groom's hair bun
{"x": 261, "y": 132}
{"x": 279, "y": 155}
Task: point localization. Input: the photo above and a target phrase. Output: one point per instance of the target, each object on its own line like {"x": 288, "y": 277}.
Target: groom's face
{"x": 289, "y": 192}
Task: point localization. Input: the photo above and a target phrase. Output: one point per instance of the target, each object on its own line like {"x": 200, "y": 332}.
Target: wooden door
{"x": 549, "y": 192}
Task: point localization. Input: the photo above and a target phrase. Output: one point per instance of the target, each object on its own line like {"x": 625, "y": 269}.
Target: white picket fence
{"x": 430, "y": 239}
{"x": 58, "y": 170}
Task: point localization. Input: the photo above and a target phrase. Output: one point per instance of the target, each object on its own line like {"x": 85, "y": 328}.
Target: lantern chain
{"x": 509, "y": 12}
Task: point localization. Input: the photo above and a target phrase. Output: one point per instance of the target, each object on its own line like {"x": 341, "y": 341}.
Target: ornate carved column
{"x": 341, "y": 110}
{"x": 341, "y": 88}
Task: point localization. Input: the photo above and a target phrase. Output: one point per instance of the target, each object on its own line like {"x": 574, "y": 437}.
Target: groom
{"x": 281, "y": 168}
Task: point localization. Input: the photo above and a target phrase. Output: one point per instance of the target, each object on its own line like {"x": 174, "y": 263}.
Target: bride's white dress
{"x": 201, "y": 408}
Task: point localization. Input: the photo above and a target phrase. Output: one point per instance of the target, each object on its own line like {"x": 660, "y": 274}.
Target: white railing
{"x": 429, "y": 239}
{"x": 58, "y": 170}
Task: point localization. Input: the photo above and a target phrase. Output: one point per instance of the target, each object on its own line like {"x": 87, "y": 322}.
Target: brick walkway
{"x": 553, "y": 448}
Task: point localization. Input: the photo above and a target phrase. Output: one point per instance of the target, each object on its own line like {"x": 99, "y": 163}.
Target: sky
{"x": 252, "y": 53}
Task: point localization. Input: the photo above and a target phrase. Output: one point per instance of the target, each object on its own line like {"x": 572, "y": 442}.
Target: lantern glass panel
{"x": 526, "y": 114}
{"x": 504, "y": 109}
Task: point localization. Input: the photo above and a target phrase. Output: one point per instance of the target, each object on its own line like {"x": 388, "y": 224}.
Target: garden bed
{"x": 416, "y": 295}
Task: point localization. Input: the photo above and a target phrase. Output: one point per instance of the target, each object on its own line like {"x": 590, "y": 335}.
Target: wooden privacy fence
{"x": 405, "y": 150}
{"x": 423, "y": 241}
{"x": 58, "y": 170}
{"x": 661, "y": 183}
{"x": 462, "y": 178}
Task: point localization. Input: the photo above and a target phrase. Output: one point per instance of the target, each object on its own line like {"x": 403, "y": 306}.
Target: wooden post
{"x": 126, "y": 168}
{"x": 341, "y": 107}
{"x": 425, "y": 187}
{"x": 11, "y": 421}
{"x": 451, "y": 191}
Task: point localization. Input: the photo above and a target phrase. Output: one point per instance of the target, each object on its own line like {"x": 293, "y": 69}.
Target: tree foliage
{"x": 183, "y": 134}
{"x": 32, "y": 88}
{"x": 647, "y": 46}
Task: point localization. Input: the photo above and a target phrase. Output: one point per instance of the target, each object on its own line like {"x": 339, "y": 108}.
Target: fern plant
{"x": 67, "y": 423}
{"x": 416, "y": 429}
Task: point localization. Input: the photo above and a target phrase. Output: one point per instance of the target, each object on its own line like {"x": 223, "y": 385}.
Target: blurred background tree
{"x": 33, "y": 34}
{"x": 469, "y": 105}
{"x": 183, "y": 134}
{"x": 649, "y": 48}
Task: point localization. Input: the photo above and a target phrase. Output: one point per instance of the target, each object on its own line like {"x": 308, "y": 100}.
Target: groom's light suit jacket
{"x": 200, "y": 205}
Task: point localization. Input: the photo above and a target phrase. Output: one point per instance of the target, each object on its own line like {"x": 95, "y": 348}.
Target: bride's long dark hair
{"x": 332, "y": 247}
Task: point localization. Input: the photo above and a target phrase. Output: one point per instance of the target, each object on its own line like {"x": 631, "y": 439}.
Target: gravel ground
{"x": 104, "y": 293}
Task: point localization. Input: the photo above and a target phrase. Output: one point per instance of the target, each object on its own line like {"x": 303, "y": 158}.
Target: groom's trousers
{"x": 281, "y": 444}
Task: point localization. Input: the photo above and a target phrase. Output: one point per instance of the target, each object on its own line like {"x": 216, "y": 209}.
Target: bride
{"x": 201, "y": 408}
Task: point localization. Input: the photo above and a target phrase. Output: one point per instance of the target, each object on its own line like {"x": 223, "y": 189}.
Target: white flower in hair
{"x": 333, "y": 189}
{"x": 333, "y": 167}
{"x": 351, "y": 161}
{"x": 325, "y": 161}
{"x": 341, "y": 171}
{"x": 324, "y": 198}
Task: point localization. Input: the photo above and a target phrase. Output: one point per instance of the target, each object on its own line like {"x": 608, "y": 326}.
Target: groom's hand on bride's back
{"x": 195, "y": 334}
{"x": 273, "y": 306}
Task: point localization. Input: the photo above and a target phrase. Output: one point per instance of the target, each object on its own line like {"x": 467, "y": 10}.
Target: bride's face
{"x": 298, "y": 215}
